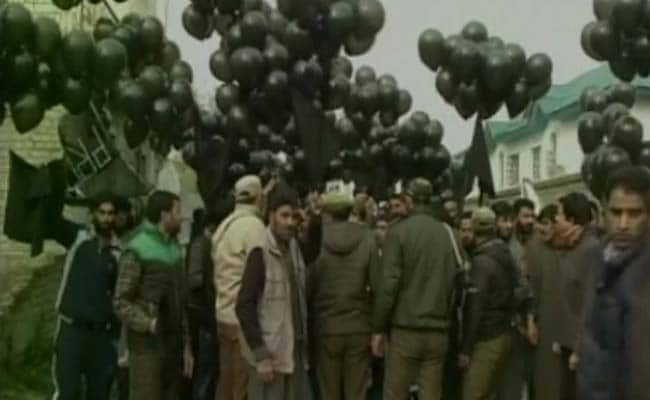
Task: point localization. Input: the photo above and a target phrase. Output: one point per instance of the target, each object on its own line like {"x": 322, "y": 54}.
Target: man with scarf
{"x": 574, "y": 240}
{"x": 614, "y": 362}
{"x": 272, "y": 309}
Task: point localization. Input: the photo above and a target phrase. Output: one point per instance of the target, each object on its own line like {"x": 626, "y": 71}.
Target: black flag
{"x": 477, "y": 163}
{"x": 318, "y": 138}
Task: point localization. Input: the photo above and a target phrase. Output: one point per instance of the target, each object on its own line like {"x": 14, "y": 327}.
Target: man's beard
{"x": 104, "y": 230}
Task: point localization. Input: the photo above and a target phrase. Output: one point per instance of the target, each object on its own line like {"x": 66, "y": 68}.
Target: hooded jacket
{"x": 343, "y": 278}
{"x": 491, "y": 302}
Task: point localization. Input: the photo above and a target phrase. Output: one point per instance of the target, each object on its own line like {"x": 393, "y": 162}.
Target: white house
{"x": 542, "y": 145}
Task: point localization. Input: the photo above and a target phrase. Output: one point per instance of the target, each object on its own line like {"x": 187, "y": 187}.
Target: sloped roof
{"x": 560, "y": 99}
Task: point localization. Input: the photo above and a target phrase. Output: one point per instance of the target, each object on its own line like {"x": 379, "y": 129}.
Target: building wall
{"x": 563, "y": 159}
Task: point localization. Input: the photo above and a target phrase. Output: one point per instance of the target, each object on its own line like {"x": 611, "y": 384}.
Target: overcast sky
{"x": 551, "y": 26}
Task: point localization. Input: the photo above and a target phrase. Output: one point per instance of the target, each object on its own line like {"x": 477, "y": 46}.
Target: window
{"x": 513, "y": 170}
{"x": 537, "y": 163}
{"x": 501, "y": 170}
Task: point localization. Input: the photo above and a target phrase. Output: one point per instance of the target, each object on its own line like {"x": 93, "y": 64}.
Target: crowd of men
{"x": 336, "y": 297}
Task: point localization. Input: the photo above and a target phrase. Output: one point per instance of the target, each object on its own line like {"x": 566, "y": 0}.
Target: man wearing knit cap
{"x": 487, "y": 339}
{"x": 235, "y": 238}
{"x": 414, "y": 303}
{"x": 342, "y": 283}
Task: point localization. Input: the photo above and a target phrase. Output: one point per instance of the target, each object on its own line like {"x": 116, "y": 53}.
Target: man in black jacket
{"x": 487, "y": 338}
{"x": 614, "y": 358}
{"x": 87, "y": 328}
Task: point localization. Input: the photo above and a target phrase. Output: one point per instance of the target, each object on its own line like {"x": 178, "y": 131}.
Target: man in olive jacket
{"x": 415, "y": 299}
{"x": 340, "y": 287}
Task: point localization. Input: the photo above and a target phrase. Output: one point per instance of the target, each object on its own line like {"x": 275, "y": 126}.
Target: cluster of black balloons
{"x": 268, "y": 55}
{"x": 154, "y": 88}
{"x": 68, "y": 4}
{"x": 609, "y": 135}
{"x": 620, "y": 36}
{"x": 129, "y": 64}
{"x": 478, "y": 73}
{"x": 373, "y": 98}
{"x": 401, "y": 151}
{"x": 305, "y": 27}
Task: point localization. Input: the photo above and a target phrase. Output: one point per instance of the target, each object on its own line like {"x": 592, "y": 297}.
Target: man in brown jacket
{"x": 272, "y": 308}
{"x": 574, "y": 239}
{"x": 342, "y": 281}
{"x": 241, "y": 232}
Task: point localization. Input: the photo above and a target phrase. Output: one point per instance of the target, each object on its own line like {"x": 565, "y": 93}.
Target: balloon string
{"x": 111, "y": 11}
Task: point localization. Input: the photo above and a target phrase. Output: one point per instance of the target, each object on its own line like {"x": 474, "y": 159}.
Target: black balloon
{"x": 594, "y": 100}
{"x": 404, "y": 102}
{"x": 627, "y": 15}
{"x": 154, "y": 81}
{"x": 110, "y": 61}
{"x": 197, "y": 24}
{"x": 604, "y": 41}
{"x": 371, "y": 17}
{"x": 220, "y": 66}
{"x": 538, "y": 69}
{"x": 341, "y": 66}
{"x": 339, "y": 90}
{"x": 181, "y": 70}
{"x": 585, "y": 41}
{"x": 152, "y": 34}
{"x": 341, "y": 19}
{"x": 254, "y": 28}
{"x": 518, "y": 99}
{"x": 27, "y": 112}
{"x": 467, "y": 100}
{"x": 163, "y": 115}
{"x": 134, "y": 100}
{"x": 238, "y": 121}
{"x": 517, "y": 57}
{"x": 365, "y": 74}
{"x": 76, "y": 96}
{"x": 475, "y": 31}
{"x": 277, "y": 56}
{"x": 433, "y": 133}
{"x": 277, "y": 85}
{"x": 624, "y": 93}
{"x": 248, "y": 66}
{"x": 298, "y": 41}
{"x": 465, "y": 62}
{"x": 388, "y": 96}
{"x": 169, "y": 55}
{"x": 48, "y": 37}
{"x": 446, "y": 85}
{"x": 612, "y": 113}
{"x": 591, "y": 131}
{"x": 21, "y": 71}
{"x": 17, "y": 26}
{"x": 604, "y": 8}
{"x": 357, "y": 45}
{"x": 623, "y": 67}
{"x": 497, "y": 73}
{"x": 627, "y": 134}
{"x": 538, "y": 90}
{"x": 78, "y": 53}
{"x": 432, "y": 49}
{"x": 135, "y": 132}
{"x": 643, "y": 157}
{"x": 180, "y": 93}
